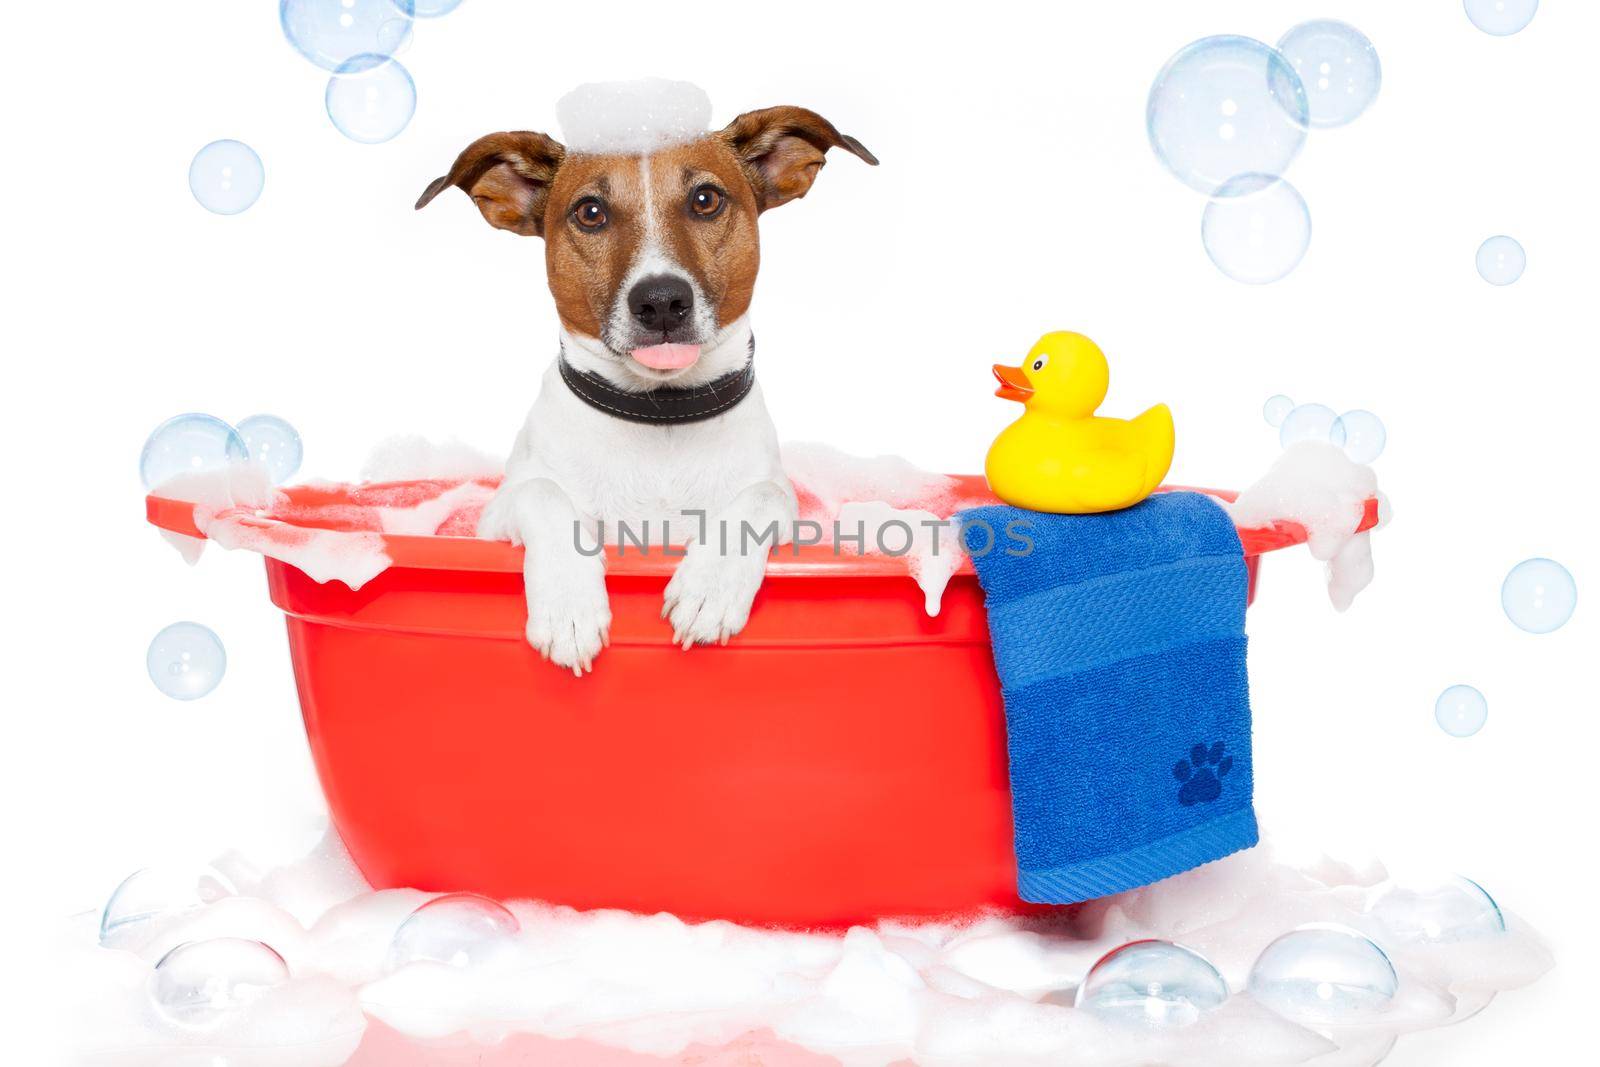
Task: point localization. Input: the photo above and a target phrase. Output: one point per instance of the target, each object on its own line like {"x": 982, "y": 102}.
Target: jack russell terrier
{"x": 650, "y": 412}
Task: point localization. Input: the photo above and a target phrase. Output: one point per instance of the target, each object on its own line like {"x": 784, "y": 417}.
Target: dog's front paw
{"x": 499, "y": 519}
{"x": 569, "y": 616}
{"x": 709, "y": 597}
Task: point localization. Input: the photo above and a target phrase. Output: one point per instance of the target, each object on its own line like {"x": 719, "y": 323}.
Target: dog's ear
{"x": 782, "y": 148}
{"x": 508, "y": 176}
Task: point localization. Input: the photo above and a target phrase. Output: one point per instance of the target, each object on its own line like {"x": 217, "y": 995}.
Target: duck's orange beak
{"x": 1014, "y": 385}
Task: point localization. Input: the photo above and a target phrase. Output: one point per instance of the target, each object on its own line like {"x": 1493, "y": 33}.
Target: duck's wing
{"x": 1156, "y": 432}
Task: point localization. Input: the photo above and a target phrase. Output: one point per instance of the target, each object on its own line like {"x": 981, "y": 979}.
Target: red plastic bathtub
{"x": 840, "y": 761}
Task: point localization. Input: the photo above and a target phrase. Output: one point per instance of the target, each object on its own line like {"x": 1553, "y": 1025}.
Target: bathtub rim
{"x": 446, "y": 553}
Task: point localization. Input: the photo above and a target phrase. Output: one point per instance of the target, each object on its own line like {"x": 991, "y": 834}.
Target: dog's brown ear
{"x": 782, "y": 148}
{"x": 508, "y": 176}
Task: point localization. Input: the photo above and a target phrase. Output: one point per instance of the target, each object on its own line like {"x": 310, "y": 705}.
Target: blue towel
{"x": 1119, "y": 641}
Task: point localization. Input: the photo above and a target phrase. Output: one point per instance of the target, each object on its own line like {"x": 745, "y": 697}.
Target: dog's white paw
{"x": 709, "y": 597}
{"x": 569, "y": 615}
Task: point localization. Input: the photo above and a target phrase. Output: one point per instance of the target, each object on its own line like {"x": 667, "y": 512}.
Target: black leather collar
{"x": 664, "y": 406}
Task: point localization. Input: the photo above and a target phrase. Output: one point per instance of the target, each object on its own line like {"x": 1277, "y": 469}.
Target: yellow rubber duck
{"x": 1062, "y": 457}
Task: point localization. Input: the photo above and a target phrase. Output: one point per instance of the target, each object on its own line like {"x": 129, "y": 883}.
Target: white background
{"x": 1017, "y": 194}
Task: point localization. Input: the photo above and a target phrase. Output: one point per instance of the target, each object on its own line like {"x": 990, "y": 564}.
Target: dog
{"x": 650, "y": 415}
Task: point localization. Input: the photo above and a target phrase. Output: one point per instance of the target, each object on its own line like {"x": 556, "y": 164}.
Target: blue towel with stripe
{"x": 1119, "y": 641}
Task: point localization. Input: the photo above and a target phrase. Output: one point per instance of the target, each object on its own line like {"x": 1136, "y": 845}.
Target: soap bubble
{"x": 1152, "y": 982}
{"x": 1501, "y": 260}
{"x": 430, "y": 9}
{"x": 1256, "y": 229}
{"x": 274, "y": 443}
{"x": 201, "y": 982}
{"x": 1364, "y": 435}
{"x": 1311, "y": 422}
{"x": 1437, "y": 910}
{"x": 1276, "y": 409}
{"x": 1338, "y": 69}
{"x": 1501, "y": 17}
{"x": 459, "y": 929}
{"x": 1324, "y": 975}
{"x": 1461, "y": 711}
{"x": 153, "y": 894}
{"x": 186, "y": 661}
{"x": 371, "y": 99}
{"x": 331, "y": 32}
{"x": 186, "y": 444}
{"x": 1539, "y": 595}
{"x": 226, "y": 177}
{"x": 1225, "y": 106}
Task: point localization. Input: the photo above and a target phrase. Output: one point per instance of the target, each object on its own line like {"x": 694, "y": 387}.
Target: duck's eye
{"x": 707, "y": 201}
{"x": 589, "y": 213}
{"x": 1039, "y": 363}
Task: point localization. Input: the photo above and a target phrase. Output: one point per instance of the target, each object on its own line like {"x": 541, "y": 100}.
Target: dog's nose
{"x": 660, "y": 301}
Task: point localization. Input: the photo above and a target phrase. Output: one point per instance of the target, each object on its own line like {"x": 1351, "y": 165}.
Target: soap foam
{"x": 412, "y": 457}
{"x": 989, "y": 989}
{"x": 930, "y": 544}
{"x": 632, "y": 117}
{"x": 354, "y": 558}
{"x": 1322, "y": 489}
{"x": 428, "y": 489}
{"x": 870, "y": 495}
{"x": 825, "y": 479}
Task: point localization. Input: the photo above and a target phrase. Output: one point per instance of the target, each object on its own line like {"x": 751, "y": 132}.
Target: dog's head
{"x": 650, "y": 257}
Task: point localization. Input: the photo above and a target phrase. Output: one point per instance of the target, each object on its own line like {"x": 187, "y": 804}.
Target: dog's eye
{"x": 707, "y": 201}
{"x": 1039, "y": 363}
{"x": 589, "y": 213}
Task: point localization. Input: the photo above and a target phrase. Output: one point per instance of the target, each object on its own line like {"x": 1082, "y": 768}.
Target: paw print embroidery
{"x": 1202, "y": 774}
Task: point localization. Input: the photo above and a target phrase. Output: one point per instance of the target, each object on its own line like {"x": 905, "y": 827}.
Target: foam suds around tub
{"x": 930, "y": 544}
{"x": 412, "y": 457}
{"x": 1321, "y": 488}
{"x": 873, "y": 505}
{"x": 236, "y": 507}
{"x": 892, "y": 506}
{"x": 990, "y": 990}
{"x": 826, "y": 478}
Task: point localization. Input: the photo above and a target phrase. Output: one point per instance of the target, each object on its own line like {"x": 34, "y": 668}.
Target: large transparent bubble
{"x": 201, "y": 983}
{"x": 1276, "y": 409}
{"x": 227, "y": 177}
{"x": 1256, "y": 229}
{"x": 1539, "y": 595}
{"x": 1324, "y": 975}
{"x": 1461, "y": 711}
{"x": 1501, "y": 260}
{"x": 1226, "y": 106}
{"x": 1153, "y": 983}
{"x": 371, "y": 99}
{"x": 1502, "y": 17}
{"x": 153, "y": 894}
{"x": 1338, "y": 69}
{"x": 458, "y": 929}
{"x": 331, "y": 32}
{"x": 189, "y": 444}
{"x": 274, "y": 444}
{"x": 1364, "y": 435}
{"x": 1436, "y": 910}
{"x": 432, "y": 9}
{"x": 186, "y": 661}
{"x": 1311, "y": 422}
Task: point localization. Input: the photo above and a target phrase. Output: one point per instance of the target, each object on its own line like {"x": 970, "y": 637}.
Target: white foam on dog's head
{"x": 633, "y": 117}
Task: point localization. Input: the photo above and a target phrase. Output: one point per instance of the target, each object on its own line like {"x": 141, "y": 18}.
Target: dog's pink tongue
{"x": 667, "y": 357}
